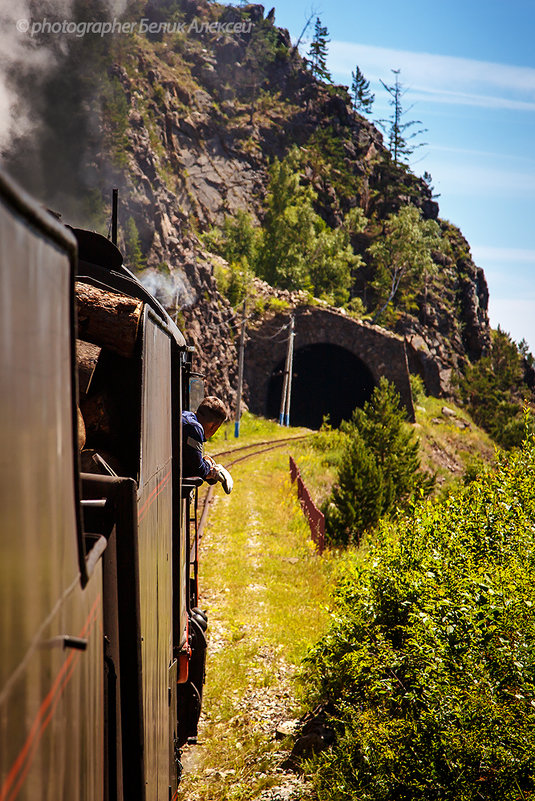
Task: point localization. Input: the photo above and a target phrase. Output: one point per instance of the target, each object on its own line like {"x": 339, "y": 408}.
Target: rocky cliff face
{"x": 189, "y": 123}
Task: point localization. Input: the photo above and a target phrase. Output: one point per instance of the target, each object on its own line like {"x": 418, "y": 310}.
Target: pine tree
{"x": 492, "y": 390}
{"x": 362, "y": 97}
{"x": 132, "y": 245}
{"x": 395, "y": 128}
{"x": 380, "y": 468}
{"x": 357, "y": 499}
{"x": 318, "y": 52}
{"x": 428, "y": 179}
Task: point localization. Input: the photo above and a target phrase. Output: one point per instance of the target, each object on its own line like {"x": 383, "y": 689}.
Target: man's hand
{"x": 212, "y": 475}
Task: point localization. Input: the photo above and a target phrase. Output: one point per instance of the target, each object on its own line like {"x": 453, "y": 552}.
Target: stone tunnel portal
{"x": 327, "y": 380}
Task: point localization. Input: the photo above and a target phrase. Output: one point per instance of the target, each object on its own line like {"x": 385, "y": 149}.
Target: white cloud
{"x": 466, "y": 151}
{"x": 441, "y": 79}
{"x": 454, "y": 178}
{"x": 505, "y": 255}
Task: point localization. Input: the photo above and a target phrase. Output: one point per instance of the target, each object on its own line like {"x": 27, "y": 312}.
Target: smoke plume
{"x": 171, "y": 289}
{"x": 49, "y": 128}
{"x": 23, "y": 59}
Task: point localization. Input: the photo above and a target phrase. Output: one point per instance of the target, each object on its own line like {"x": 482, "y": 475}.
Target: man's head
{"x": 211, "y": 413}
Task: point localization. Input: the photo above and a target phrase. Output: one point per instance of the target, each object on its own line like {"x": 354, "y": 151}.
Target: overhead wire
{"x": 271, "y": 336}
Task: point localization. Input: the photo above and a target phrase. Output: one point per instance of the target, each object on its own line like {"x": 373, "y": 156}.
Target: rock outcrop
{"x": 206, "y": 114}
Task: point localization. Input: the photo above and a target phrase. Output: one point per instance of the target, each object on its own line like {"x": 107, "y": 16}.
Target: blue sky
{"x": 469, "y": 69}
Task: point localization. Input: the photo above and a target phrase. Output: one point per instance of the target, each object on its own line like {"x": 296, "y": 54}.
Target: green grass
{"x": 252, "y": 429}
{"x": 266, "y": 591}
{"x": 449, "y": 445}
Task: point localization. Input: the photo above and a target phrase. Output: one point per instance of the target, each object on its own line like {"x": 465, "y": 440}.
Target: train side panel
{"x": 155, "y": 520}
{"x": 51, "y": 722}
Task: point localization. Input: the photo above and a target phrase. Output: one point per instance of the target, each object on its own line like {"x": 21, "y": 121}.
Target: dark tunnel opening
{"x": 327, "y": 379}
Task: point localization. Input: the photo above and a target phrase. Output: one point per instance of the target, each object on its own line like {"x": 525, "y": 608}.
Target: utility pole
{"x": 290, "y": 374}
{"x": 284, "y": 415}
{"x": 240, "y": 373}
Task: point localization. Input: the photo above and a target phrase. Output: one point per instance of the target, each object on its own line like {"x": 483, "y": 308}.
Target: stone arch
{"x": 337, "y": 362}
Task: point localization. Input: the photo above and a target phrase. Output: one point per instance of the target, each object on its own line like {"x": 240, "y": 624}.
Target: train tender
{"x": 102, "y": 645}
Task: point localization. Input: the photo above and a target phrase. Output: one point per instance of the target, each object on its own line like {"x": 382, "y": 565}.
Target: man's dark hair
{"x": 212, "y": 410}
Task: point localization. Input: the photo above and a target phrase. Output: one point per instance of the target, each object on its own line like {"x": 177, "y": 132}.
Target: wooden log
{"x": 98, "y": 413}
{"x": 81, "y": 430}
{"x": 86, "y": 360}
{"x": 108, "y": 319}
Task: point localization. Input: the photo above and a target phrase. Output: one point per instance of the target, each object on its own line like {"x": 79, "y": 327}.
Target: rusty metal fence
{"x": 316, "y": 519}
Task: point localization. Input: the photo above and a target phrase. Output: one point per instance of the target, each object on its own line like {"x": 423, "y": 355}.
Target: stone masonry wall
{"x": 381, "y": 351}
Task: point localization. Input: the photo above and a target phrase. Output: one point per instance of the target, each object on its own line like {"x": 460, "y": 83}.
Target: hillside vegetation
{"x": 428, "y": 669}
{"x": 437, "y": 592}
{"x": 237, "y": 157}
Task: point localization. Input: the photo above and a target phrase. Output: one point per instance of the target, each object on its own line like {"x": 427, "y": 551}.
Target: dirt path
{"x": 264, "y": 587}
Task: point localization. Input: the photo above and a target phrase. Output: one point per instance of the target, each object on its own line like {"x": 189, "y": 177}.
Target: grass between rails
{"x": 266, "y": 592}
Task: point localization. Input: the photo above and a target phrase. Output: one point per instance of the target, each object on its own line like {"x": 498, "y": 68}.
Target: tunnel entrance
{"x": 327, "y": 379}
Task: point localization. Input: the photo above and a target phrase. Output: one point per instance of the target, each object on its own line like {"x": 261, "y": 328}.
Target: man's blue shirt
{"x": 193, "y": 461}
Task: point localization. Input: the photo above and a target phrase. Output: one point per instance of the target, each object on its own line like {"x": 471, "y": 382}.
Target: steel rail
{"x": 211, "y": 489}
{"x": 262, "y": 442}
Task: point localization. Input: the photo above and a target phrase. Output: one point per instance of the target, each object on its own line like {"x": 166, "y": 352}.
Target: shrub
{"x": 417, "y": 388}
{"x": 429, "y": 664}
{"x": 380, "y": 468}
{"x": 236, "y": 242}
{"x": 491, "y": 391}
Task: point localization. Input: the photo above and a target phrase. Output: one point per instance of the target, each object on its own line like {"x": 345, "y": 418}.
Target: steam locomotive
{"x": 102, "y": 644}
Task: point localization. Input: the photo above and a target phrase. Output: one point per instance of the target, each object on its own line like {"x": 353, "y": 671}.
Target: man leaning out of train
{"x": 196, "y": 429}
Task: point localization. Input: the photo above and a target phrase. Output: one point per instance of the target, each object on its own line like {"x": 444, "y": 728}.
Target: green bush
{"x": 429, "y": 664}
{"x": 417, "y": 388}
{"x": 491, "y": 389}
{"x": 379, "y": 471}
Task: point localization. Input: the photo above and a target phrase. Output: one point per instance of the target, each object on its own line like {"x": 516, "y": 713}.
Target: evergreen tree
{"x": 132, "y": 246}
{"x": 428, "y": 179}
{"x": 380, "y": 468}
{"x": 356, "y": 503}
{"x": 362, "y": 97}
{"x": 395, "y": 128}
{"x": 318, "y": 52}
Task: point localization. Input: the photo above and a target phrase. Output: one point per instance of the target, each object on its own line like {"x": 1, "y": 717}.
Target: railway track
{"x": 269, "y": 443}
{"x": 256, "y": 449}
